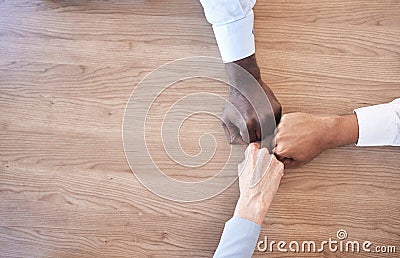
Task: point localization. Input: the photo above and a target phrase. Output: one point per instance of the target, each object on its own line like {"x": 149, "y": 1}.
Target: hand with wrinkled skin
{"x": 254, "y": 200}
{"x": 235, "y": 129}
{"x": 301, "y": 137}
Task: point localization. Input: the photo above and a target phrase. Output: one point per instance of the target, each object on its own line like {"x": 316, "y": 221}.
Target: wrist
{"x": 249, "y": 64}
{"x": 342, "y": 130}
{"x": 251, "y": 210}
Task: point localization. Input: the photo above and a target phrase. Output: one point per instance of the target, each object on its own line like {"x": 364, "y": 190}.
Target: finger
{"x": 267, "y": 125}
{"x": 261, "y": 167}
{"x": 265, "y": 155}
{"x": 258, "y": 132}
{"x": 253, "y": 135}
{"x": 277, "y": 150}
{"x": 277, "y": 163}
{"x": 284, "y": 117}
{"x": 251, "y": 149}
{"x": 291, "y": 163}
{"x": 245, "y": 168}
{"x": 279, "y": 157}
{"x": 257, "y": 145}
{"x": 251, "y": 129}
{"x": 282, "y": 125}
{"x": 277, "y": 167}
{"x": 273, "y": 142}
{"x": 287, "y": 162}
{"x": 274, "y": 135}
{"x": 273, "y": 172}
{"x": 232, "y": 134}
{"x": 278, "y": 115}
{"x": 241, "y": 167}
{"x": 268, "y": 142}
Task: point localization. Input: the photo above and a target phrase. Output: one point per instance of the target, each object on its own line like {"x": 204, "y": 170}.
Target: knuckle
{"x": 279, "y": 149}
{"x": 278, "y": 137}
{"x": 252, "y": 145}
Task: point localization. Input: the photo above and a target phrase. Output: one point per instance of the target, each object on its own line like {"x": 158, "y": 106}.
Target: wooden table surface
{"x": 67, "y": 69}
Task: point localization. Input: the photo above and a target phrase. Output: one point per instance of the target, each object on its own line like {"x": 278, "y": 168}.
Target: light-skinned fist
{"x": 259, "y": 178}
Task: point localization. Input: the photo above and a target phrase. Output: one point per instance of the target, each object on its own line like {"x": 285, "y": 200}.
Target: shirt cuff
{"x": 236, "y": 39}
{"x": 239, "y": 238}
{"x": 377, "y": 125}
{"x": 244, "y": 226}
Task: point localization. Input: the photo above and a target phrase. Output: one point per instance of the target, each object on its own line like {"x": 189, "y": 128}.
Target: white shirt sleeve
{"x": 379, "y": 125}
{"x": 232, "y": 22}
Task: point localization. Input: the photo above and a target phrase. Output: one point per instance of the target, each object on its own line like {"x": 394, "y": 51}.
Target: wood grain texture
{"x": 67, "y": 69}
